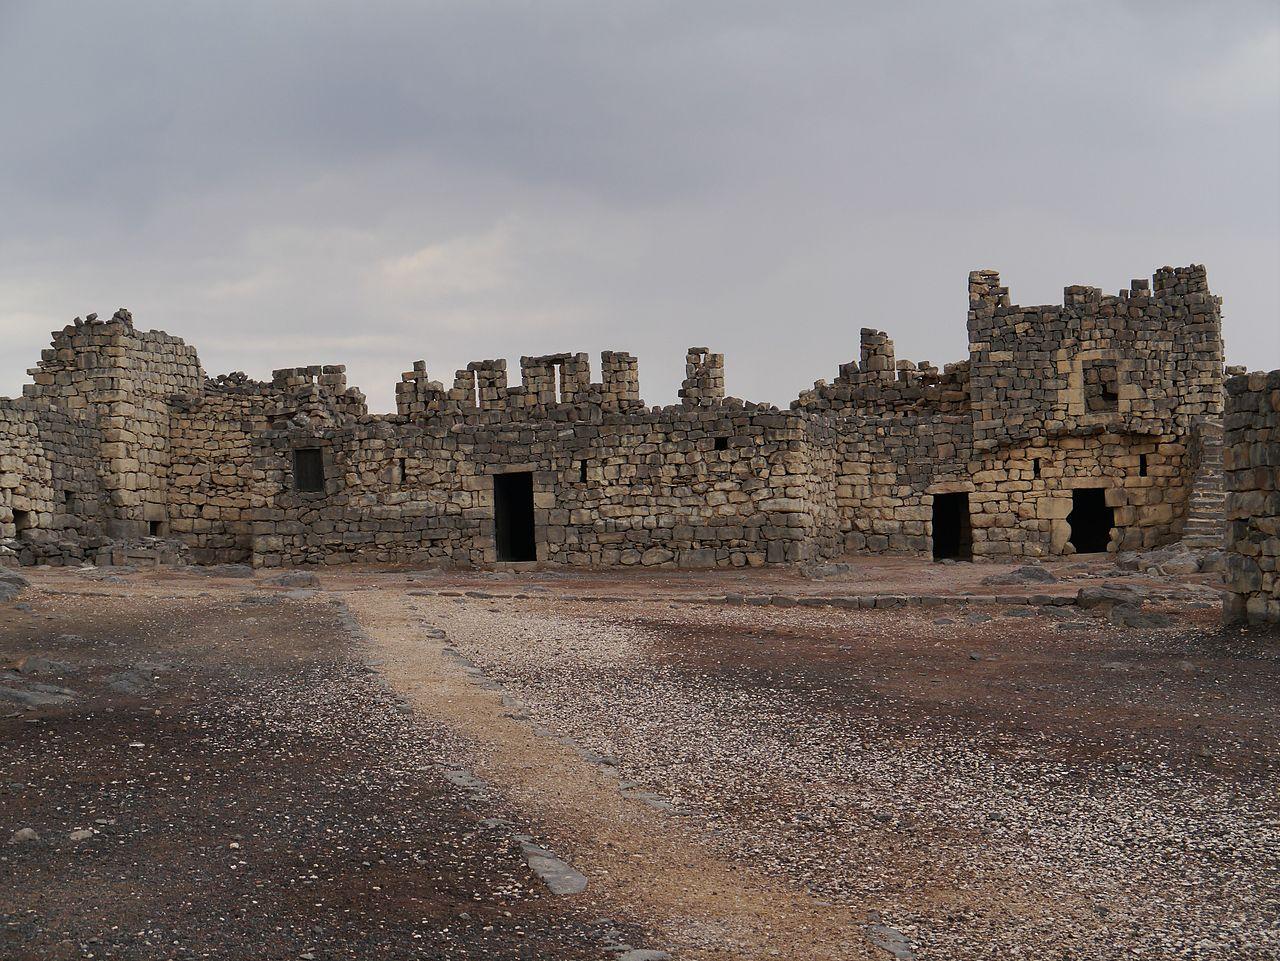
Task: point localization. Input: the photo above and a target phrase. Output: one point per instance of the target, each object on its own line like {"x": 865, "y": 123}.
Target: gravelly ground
{"x": 951, "y": 782}
{"x": 997, "y": 789}
{"x": 253, "y": 792}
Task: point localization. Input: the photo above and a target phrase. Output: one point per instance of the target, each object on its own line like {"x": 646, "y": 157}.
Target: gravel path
{"x": 639, "y": 860}
{"x": 988, "y": 789}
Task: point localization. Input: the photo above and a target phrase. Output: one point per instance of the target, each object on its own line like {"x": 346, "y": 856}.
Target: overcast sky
{"x": 372, "y": 183}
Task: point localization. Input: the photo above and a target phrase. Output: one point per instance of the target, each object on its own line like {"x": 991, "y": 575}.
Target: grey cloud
{"x": 763, "y": 177}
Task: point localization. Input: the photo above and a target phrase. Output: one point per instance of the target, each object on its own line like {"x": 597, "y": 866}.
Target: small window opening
{"x": 69, "y": 501}
{"x": 402, "y": 470}
{"x": 1035, "y": 467}
{"x": 557, "y": 382}
{"x": 308, "y": 470}
{"x": 722, "y": 443}
{"x": 1101, "y": 388}
{"x": 23, "y": 521}
{"x": 1142, "y": 465}
{"x": 582, "y": 471}
{"x": 156, "y": 528}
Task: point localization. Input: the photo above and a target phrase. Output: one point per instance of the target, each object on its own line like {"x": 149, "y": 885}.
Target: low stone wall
{"x": 1251, "y": 462}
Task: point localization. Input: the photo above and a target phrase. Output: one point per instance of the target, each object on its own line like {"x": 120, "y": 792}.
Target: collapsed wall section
{"x": 1251, "y": 461}
{"x": 878, "y": 384}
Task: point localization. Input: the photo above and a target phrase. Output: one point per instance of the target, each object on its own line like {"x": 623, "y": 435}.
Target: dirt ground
{"x": 348, "y": 772}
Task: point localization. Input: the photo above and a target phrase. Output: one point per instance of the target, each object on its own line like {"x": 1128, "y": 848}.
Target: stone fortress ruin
{"x": 1088, "y": 426}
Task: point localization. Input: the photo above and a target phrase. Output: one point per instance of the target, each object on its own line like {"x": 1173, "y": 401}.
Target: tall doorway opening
{"x": 1091, "y": 520}
{"x": 952, "y": 532}
{"x": 513, "y": 516}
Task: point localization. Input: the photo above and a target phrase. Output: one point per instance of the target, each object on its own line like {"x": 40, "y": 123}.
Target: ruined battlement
{"x": 551, "y": 381}
{"x": 1100, "y": 394}
{"x": 879, "y": 384}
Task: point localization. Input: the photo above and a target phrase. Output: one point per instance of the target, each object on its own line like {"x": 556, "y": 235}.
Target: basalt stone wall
{"x": 1024, "y": 494}
{"x": 726, "y": 485}
{"x": 52, "y": 500}
{"x": 1146, "y": 361}
{"x": 887, "y": 470}
{"x": 214, "y": 473}
{"x": 1100, "y": 394}
{"x": 1251, "y": 462}
{"x": 219, "y": 486}
{"x": 122, "y": 378}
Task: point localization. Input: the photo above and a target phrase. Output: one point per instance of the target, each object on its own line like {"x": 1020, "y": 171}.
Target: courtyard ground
{"x": 741, "y": 764}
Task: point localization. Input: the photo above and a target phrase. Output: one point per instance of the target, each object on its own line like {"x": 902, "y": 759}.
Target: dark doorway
{"x": 22, "y": 523}
{"x": 1091, "y": 520}
{"x": 952, "y": 532}
{"x": 308, "y": 470}
{"x": 513, "y": 516}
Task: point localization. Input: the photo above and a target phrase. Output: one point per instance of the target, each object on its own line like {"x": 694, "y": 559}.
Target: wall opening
{"x": 23, "y": 522}
{"x": 582, "y": 471}
{"x": 513, "y": 517}
{"x": 308, "y": 469}
{"x": 1142, "y": 465}
{"x": 1091, "y": 520}
{"x": 722, "y": 443}
{"x": 1101, "y": 387}
{"x": 402, "y": 470}
{"x": 69, "y": 501}
{"x": 1035, "y": 467}
{"x": 157, "y": 528}
{"x": 952, "y": 531}
{"x": 557, "y": 383}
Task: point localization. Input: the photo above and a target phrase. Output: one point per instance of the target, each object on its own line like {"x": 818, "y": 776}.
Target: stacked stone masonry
{"x": 1062, "y": 417}
{"x": 1251, "y": 461}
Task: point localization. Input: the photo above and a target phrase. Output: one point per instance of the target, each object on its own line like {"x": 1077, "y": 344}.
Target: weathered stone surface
{"x": 1026, "y": 574}
{"x": 121, "y": 436}
{"x": 294, "y": 579}
{"x": 1251, "y": 462}
{"x": 11, "y": 584}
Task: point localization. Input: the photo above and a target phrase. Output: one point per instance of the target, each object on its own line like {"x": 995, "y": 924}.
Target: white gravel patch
{"x": 974, "y": 842}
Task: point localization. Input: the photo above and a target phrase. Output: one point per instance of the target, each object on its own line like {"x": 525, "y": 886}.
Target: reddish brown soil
{"x": 272, "y": 810}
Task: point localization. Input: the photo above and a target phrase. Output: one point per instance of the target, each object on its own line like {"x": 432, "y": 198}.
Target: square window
{"x": 1101, "y": 387}
{"x": 722, "y": 443}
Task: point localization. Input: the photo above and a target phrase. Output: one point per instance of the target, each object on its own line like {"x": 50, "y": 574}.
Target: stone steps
{"x": 1205, "y": 526}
